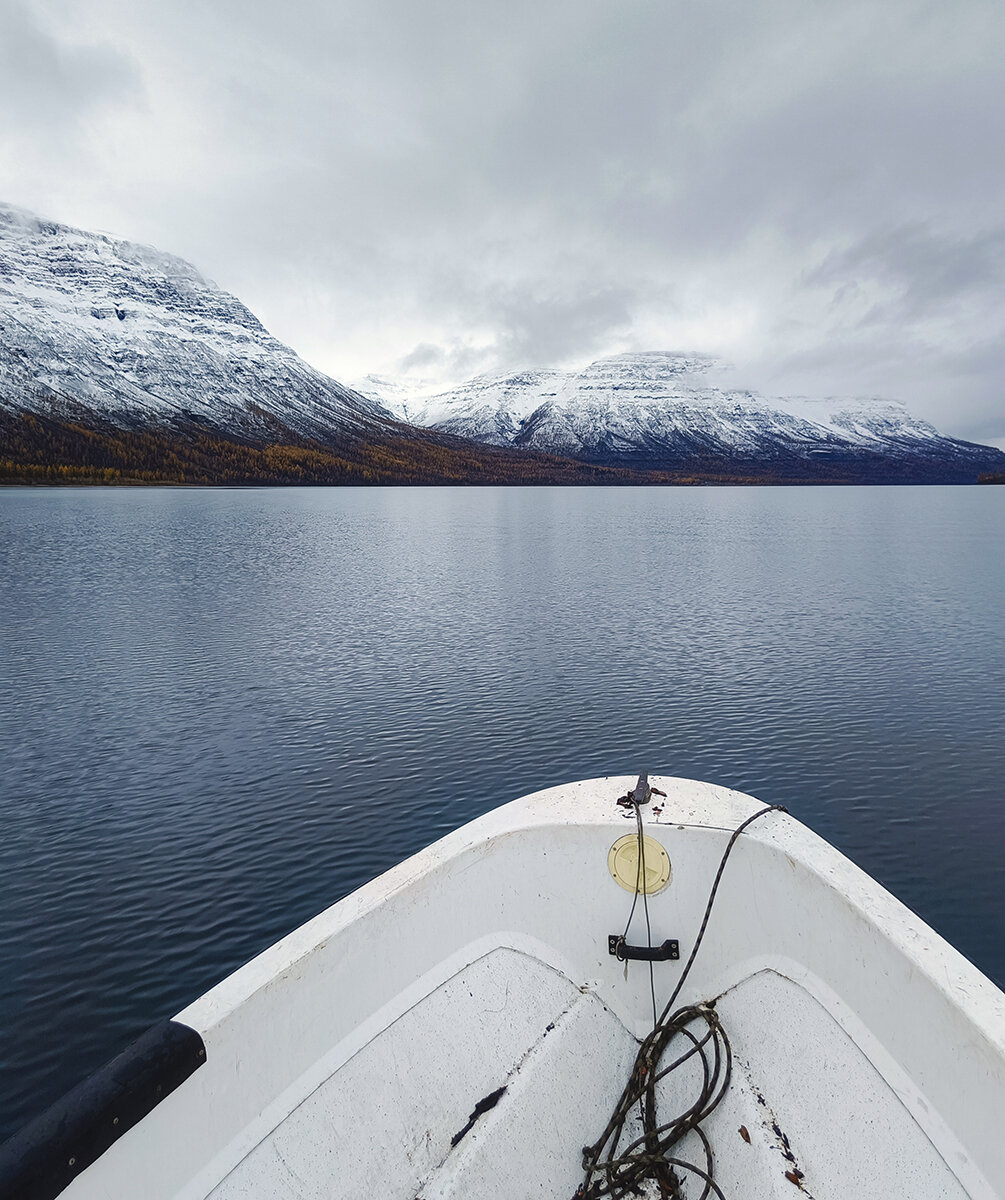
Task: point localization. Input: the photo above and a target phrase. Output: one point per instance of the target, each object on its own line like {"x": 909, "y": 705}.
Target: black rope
{"x": 614, "y": 1172}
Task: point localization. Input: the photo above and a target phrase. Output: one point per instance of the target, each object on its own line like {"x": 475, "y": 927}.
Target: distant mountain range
{"x": 671, "y": 410}
{"x": 122, "y": 363}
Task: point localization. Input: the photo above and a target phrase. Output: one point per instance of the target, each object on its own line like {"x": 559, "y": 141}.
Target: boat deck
{"x": 423, "y": 1111}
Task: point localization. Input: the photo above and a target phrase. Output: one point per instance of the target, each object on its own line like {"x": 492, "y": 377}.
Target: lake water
{"x": 222, "y": 710}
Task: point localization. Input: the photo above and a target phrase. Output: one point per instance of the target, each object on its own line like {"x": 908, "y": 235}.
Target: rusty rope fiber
{"x": 650, "y": 1156}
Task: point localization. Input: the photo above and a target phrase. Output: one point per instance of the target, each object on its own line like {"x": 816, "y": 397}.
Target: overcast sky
{"x": 813, "y": 190}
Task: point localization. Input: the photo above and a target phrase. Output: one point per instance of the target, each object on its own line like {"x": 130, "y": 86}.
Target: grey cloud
{"x": 540, "y": 329}
{"x": 423, "y": 355}
{"x": 926, "y": 270}
{"x": 49, "y": 85}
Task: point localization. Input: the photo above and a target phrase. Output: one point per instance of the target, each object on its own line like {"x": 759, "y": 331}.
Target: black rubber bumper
{"x": 42, "y": 1159}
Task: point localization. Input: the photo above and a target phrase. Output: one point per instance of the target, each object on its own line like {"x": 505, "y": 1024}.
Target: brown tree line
{"x": 39, "y": 449}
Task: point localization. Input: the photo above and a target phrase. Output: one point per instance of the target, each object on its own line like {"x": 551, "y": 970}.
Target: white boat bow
{"x": 458, "y": 1027}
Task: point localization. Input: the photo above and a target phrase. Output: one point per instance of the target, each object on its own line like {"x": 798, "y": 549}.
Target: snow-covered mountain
{"x": 98, "y": 332}
{"x": 91, "y": 326}
{"x": 673, "y": 410}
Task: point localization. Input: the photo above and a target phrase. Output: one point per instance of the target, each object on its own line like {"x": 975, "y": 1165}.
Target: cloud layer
{"x": 813, "y": 190}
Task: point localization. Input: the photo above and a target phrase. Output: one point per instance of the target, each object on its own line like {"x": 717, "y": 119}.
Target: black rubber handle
{"x": 665, "y": 952}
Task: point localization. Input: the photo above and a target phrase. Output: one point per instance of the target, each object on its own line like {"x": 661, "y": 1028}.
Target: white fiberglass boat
{"x": 467, "y": 1023}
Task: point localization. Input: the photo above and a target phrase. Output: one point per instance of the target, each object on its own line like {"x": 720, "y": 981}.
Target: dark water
{"x": 209, "y": 698}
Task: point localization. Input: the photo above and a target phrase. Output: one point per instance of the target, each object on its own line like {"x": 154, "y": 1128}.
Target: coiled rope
{"x": 618, "y": 1172}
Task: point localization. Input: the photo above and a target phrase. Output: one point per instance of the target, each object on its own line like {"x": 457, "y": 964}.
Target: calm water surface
{"x": 210, "y": 700}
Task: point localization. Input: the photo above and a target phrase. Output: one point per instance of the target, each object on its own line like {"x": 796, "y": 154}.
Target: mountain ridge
{"x": 670, "y": 409}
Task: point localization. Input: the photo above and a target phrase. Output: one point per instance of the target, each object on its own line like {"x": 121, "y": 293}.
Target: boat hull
{"x": 353, "y": 1055}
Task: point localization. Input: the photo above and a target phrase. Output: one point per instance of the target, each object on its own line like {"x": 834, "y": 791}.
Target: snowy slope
{"x": 671, "y": 409}
{"x": 402, "y": 398}
{"x": 92, "y": 326}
